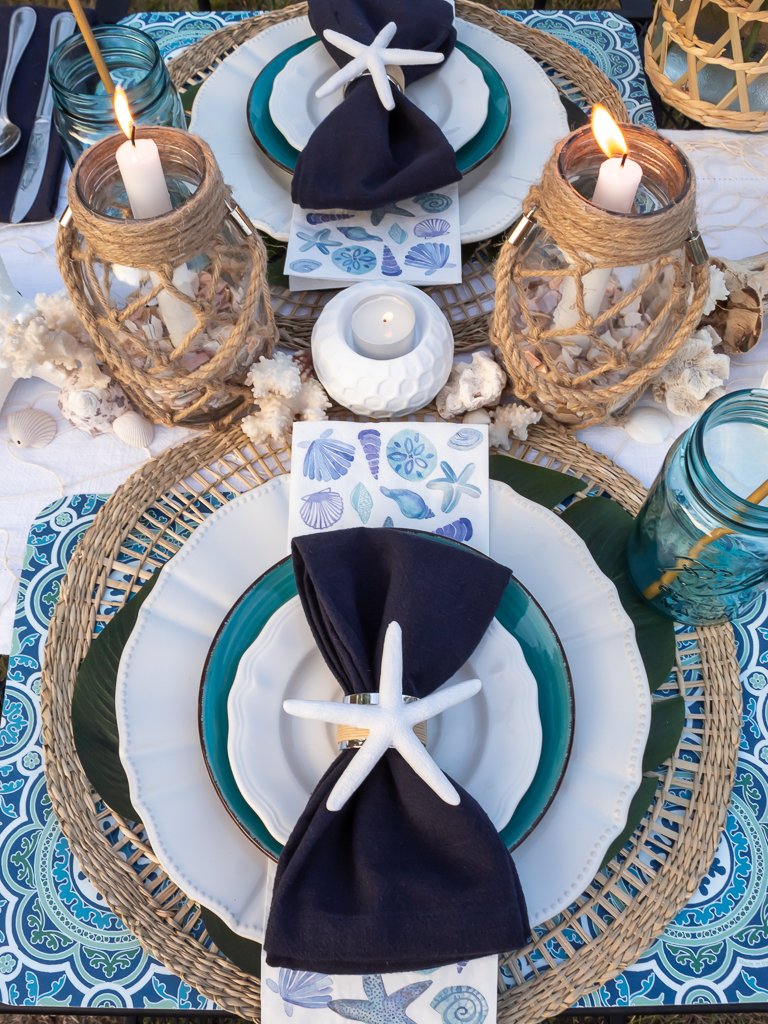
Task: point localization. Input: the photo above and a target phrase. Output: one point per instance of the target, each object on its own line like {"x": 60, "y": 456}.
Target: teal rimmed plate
{"x": 271, "y": 140}
{"x": 518, "y": 613}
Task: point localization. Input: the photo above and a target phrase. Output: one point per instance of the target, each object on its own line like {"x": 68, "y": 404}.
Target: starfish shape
{"x": 379, "y": 1008}
{"x": 390, "y": 724}
{"x": 454, "y": 486}
{"x": 378, "y": 215}
{"x": 319, "y": 239}
{"x": 374, "y": 59}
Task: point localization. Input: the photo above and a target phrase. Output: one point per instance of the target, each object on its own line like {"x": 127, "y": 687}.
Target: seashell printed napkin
{"x": 421, "y": 476}
{"x": 417, "y": 241}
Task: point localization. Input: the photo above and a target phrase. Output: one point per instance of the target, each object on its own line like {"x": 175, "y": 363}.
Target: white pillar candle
{"x": 144, "y": 180}
{"x": 383, "y": 327}
{"x": 617, "y": 183}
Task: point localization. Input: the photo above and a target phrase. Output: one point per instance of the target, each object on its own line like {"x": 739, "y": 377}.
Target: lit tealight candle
{"x": 144, "y": 180}
{"x": 384, "y": 327}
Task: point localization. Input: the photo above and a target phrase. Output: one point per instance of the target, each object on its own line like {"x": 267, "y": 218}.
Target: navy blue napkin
{"x": 22, "y": 107}
{"x": 397, "y": 880}
{"x": 363, "y": 157}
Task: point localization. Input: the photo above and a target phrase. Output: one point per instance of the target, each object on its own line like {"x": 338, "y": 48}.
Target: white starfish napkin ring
{"x": 389, "y": 723}
{"x": 374, "y": 59}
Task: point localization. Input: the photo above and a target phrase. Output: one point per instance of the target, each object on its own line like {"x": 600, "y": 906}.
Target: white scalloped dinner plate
{"x": 199, "y": 844}
{"x": 490, "y": 196}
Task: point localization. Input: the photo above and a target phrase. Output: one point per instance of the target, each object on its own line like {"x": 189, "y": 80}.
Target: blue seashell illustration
{"x": 461, "y": 965}
{"x": 466, "y": 439}
{"x": 327, "y": 458}
{"x": 397, "y": 234}
{"x": 459, "y": 529}
{"x": 321, "y": 509}
{"x": 327, "y": 218}
{"x": 356, "y": 234}
{"x": 378, "y": 215}
{"x": 431, "y": 228}
{"x": 433, "y": 202}
{"x": 370, "y": 441}
{"x": 355, "y": 259}
{"x": 302, "y": 988}
{"x": 305, "y": 266}
{"x": 321, "y": 239}
{"x": 361, "y": 502}
{"x": 388, "y": 522}
{"x": 389, "y": 265}
{"x": 454, "y": 486}
{"x": 428, "y": 256}
{"x": 460, "y": 1004}
{"x": 411, "y": 454}
{"x": 412, "y": 505}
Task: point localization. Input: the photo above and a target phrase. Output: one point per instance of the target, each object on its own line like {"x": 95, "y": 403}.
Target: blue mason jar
{"x": 699, "y": 548}
{"x": 83, "y": 111}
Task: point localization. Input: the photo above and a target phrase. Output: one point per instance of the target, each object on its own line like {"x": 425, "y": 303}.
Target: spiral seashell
{"x": 460, "y": 1004}
{"x": 90, "y": 408}
{"x": 31, "y": 428}
{"x": 133, "y": 429}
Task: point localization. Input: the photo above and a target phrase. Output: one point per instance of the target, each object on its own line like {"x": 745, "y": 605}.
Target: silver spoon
{"x": 20, "y": 32}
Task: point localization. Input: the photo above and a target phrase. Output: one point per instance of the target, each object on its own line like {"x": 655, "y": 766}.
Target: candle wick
{"x": 624, "y": 159}
{"x": 133, "y": 137}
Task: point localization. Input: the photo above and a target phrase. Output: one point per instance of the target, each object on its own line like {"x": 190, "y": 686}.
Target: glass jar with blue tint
{"x": 83, "y": 111}
{"x": 699, "y": 549}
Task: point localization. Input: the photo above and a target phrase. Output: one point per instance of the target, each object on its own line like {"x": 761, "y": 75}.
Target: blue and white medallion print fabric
{"x": 431, "y": 477}
{"x": 463, "y": 993}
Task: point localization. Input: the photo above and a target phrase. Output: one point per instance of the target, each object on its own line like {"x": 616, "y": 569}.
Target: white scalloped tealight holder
{"x": 381, "y": 388}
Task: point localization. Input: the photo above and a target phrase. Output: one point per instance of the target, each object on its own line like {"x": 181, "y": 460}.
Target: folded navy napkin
{"x": 396, "y": 880}
{"x": 22, "y": 107}
{"x": 363, "y": 157}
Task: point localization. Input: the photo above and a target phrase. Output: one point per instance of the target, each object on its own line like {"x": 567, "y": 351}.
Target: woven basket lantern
{"x": 709, "y": 60}
{"x": 179, "y": 332}
{"x": 590, "y": 304}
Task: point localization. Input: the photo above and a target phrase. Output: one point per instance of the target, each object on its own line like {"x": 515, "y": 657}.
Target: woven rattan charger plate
{"x": 467, "y": 305}
{"x": 623, "y": 909}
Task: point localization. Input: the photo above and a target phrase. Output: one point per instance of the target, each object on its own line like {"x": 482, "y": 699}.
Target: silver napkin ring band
{"x": 349, "y": 737}
{"x": 394, "y": 74}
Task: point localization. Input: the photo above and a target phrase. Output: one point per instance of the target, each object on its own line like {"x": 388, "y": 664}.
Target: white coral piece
{"x": 718, "y": 289}
{"x": 471, "y": 386}
{"x": 688, "y": 381}
{"x": 283, "y": 397}
{"x": 513, "y": 419}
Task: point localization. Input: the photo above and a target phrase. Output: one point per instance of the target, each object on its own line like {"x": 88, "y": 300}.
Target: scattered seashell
{"x": 302, "y": 988}
{"x": 389, "y": 265}
{"x": 326, "y": 218}
{"x": 433, "y": 227}
{"x": 429, "y": 257}
{"x": 31, "y": 428}
{"x": 476, "y": 416}
{"x": 361, "y": 502}
{"x": 358, "y": 234}
{"x": 459, "y": 529}
{"x": 470, "y": 386}
{"x": 397, "y": 234}
{"x": 322, "y": 509}
{"x": 466, "y": 439}
{"x": 92, "y": 409}
{"x": 327, "y": 458}
{"x": 304, "y": 266}
{"x": 648, "y": 425}
{"x": 133, "y": 429}
{"x": 460, "y": 1004}
{"x": 412, "y": 505}
{"x": 411, "y": 454}
{"x": 388, "y": 523}
{"x": 433, "y": 202}
{"x": 370, "y": 441}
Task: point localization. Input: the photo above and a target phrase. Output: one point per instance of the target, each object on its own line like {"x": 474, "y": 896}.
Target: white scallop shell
{"x": 134, "y": 430}
{"x": 31, "y": 428}
{"x": 648, "y": 425}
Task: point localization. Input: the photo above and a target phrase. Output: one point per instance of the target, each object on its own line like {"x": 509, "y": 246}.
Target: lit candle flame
{"x": 387, "y": 317}
{"x": 607, "y": 133}
{"x": 122, "y": 113}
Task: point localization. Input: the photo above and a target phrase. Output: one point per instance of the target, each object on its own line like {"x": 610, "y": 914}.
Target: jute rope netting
{"x": 730, "y": 50}
{"x": 231, "y": 321}
{"x": 621, "y": 911}
{"x": 469, "y": 304}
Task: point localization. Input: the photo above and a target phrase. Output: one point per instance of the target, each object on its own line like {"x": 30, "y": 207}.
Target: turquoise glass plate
{"x": 518, "y": 613}
{"x": 271, "y": 140}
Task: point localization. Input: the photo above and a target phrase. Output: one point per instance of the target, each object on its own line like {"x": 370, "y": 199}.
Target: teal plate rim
{"x": 274, "y": 145}
{"x": 556, "y": 699}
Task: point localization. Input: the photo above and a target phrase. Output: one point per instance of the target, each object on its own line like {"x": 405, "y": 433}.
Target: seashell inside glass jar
{"x": 177, "y": 306}
{"x": 592, "y": 304}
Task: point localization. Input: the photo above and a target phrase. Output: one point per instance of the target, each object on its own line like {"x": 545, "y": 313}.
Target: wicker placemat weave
{"x": 622, "y": 910}
{"x": 468, "y": 304}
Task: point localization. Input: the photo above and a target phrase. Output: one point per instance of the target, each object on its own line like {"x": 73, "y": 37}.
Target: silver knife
{"x": 62, "y": 26}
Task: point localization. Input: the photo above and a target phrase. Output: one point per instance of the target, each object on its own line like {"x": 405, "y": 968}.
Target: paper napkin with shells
{"x": 431, "y": 477}
{"x": 417, "y": 241}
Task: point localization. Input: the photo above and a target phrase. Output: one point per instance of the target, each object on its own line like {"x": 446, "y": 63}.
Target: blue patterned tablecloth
{"x": 61, "y": 946}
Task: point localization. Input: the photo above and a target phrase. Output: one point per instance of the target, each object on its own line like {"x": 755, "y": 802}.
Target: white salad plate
{"x": 490, "y": 196}
{"x": 196, "y": 840}
{"x": 454, "y": 96}
{"x": 490, "y": 744}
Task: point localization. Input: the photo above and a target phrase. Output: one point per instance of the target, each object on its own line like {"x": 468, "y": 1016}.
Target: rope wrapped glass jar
{"x": 591, "y": 304}
{"x": 177, "y": 306}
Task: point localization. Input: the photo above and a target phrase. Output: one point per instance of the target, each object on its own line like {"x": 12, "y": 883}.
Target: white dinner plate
{"x": 490, "y": 196}
{"x": 490, "y": 744}
{"x": 202, "y": 848}
{"x": 454, "y": 96}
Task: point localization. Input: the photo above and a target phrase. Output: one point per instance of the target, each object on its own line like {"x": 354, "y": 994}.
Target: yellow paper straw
{"x": 93, "y": 46}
